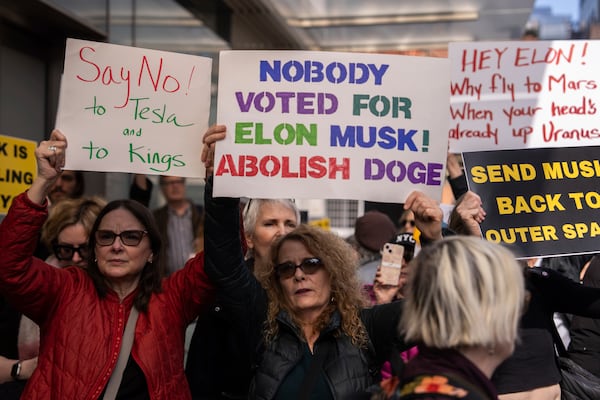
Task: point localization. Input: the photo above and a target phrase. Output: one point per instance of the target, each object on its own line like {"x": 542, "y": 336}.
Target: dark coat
{"x": 347, "y": 368}
{"x": 220, "y": 357}
{"x": 242, "y": 309}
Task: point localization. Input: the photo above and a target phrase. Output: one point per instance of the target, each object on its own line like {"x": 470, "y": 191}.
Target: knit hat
{"x": 373, "y": 230}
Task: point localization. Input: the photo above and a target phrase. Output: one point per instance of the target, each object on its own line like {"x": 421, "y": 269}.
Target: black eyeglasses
{"x": 128, "y": 238}
{"x": 65, "y": 252}
{"x": 409, "y": 221}
{"x": 309, "y": 266}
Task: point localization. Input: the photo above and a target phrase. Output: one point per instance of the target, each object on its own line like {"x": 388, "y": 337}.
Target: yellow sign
{"x": 323, "y": 223}
{"x": 17, "y": 168}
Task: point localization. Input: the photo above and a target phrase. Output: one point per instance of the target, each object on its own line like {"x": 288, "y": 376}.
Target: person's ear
{"x": 249, "y": 241}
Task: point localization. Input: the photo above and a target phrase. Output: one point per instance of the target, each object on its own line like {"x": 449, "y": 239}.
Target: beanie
{"x": 406, "y": 240}
{"x": 373, "y": 230}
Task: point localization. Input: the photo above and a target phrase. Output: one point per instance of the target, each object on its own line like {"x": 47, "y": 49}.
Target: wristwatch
{"x": 15, "y": 371}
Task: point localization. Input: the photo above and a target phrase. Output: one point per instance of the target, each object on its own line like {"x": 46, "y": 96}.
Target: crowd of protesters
{"x": 102, "y": 300}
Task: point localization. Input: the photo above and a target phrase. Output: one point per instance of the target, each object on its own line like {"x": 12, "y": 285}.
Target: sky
{"x": 566, "y": 7}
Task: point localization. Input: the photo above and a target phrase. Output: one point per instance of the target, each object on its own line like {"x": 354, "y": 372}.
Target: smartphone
{"x": 391, "y": 263}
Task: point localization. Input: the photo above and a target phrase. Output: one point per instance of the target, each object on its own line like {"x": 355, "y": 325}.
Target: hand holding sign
{"x": 50, "y": 155}
{"x": 210, "y": 138}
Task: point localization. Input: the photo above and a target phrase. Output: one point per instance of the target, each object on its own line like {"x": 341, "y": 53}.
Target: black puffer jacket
{"x": 242, "y": 312}
{"x": 348, "y": 369}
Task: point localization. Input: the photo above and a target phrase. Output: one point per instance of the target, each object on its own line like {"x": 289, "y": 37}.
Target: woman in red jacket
{"x": 112, "y": 330}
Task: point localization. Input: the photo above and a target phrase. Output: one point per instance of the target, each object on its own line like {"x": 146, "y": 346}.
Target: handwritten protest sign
{"x": 542, "y": 201}
{"x": 127, "y": 109}
{"x": 331, "y": 125}
{"x": 512, "y": 95}
{"x": 17, "y": 168}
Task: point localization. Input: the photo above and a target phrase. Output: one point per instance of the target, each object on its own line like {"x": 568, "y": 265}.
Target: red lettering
{"x": 343, "y": 167}
{"x": 82, "y": 58}
{"x": 226, "y": 166}
{"x": 147, "y": 67}
{"x": 250, "y": 165}
{"x": 285, "y": 167}
{"x": 318, "y": 167}
{"x": 307, "y": 167}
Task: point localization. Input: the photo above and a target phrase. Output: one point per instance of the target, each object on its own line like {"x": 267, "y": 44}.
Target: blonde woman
{"x": 463, "y": 305}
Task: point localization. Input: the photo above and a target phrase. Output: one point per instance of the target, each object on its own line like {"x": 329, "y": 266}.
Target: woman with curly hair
{"x": 303, "y": 310}
{"x": 316, "y": 320}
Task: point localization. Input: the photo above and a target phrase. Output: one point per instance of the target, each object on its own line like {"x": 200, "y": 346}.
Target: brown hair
{"x": 341, "y": 265}
{"x": 152, "y": 273}
{"x": 69, "y": 212}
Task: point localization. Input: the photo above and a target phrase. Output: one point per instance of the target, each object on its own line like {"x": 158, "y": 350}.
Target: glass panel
{"x": 92, "y": 12}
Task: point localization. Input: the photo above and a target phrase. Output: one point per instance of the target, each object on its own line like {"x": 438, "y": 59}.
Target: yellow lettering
{"x": 521, "y": 205}
{"x": 535, "y": 233}
{"x": 504, "y": 205}
{"x": 503, "y": 173}
{"x": 535, "y": 203}
{"x": 595, "y": 229}
{"x": 478, "y": 174}
{"x": 495, "y": 173}
{"x": 580, "y": 229}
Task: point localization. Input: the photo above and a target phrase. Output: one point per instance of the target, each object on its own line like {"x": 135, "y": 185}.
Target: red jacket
{"x": 80, "y": 332}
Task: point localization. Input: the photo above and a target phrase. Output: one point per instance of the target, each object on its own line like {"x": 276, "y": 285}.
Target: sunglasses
{"x": 65, "y": 252}
{"x": 309, "y": 266}
{"x": 128, "y": 238}
{"x": 408, "y": 221}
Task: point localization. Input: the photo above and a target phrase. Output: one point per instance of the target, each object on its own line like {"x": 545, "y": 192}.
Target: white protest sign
{"x": 331, "y": 125}
{"x": 127, "y": 109}
{"x": 513, "y": 95}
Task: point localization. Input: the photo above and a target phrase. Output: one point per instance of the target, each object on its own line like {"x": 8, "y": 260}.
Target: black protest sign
{"x": 544, "y": 202}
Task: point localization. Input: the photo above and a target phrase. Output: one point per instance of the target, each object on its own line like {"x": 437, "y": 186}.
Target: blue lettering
{"x": 316, "y": 72}
{"x": 389, "y": 137}
{"x": 347, "y": 139}
{"x": 273, "y": 71}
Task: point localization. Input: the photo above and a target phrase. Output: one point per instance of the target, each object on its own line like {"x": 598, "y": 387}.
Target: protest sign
{"x": 512, "y": 95}
{"x": 544, "y": 202}
{"x": 17, "y": 168}
{"x": 331, "y": 125}
{"x": 126, "y": 109}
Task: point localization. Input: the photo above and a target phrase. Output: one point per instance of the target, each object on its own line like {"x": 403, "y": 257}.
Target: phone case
{"x": 391, "y": 263}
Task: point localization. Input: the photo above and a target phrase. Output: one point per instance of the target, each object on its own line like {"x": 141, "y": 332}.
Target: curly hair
{"x": 340, "y": 263}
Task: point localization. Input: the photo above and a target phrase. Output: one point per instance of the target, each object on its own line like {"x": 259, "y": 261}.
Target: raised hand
{"x": 50, "y": 157}
{"x": 211, "y": 136}
{"x": 428, "y": 214}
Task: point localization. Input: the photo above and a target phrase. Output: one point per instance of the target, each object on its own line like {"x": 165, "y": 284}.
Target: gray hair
{"x": 253, "y": 206}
